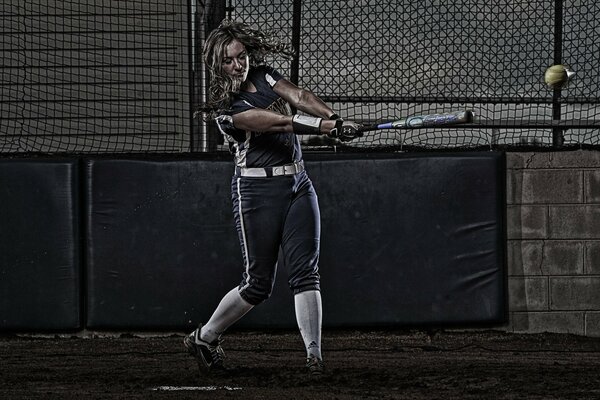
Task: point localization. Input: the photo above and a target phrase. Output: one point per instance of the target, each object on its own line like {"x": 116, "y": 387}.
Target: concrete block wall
{"x": 553, "y": 249}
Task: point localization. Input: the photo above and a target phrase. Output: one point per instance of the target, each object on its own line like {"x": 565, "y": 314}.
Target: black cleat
{"x": 315, "y": 367}
{"x": 210, "y": 356}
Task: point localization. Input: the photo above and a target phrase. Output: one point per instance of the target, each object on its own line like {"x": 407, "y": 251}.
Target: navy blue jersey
{"x": 257, "y": 149}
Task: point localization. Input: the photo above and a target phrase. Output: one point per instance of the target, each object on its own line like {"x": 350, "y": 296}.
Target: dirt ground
{"x": 360, "y": 365}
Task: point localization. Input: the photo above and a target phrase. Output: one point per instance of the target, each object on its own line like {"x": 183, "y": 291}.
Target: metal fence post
{"x": 558, "y": 138}
{"x": 207, "y": 17}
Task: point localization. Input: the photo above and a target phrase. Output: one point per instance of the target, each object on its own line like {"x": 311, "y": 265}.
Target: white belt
{"x": 288, "y": 169}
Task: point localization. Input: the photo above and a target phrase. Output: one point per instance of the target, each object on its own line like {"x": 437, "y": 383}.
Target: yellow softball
{"x": 557, "y": 76}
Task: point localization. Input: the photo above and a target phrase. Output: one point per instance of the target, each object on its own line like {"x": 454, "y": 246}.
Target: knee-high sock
{"x": 231, "y": 308}
{"x": 309, "y": 316}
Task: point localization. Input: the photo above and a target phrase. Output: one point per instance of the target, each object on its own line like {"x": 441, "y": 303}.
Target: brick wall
{"x": 553, "y": 249}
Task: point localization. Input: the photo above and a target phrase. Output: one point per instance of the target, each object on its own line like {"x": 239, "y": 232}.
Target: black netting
{"x": 96, "y": 76}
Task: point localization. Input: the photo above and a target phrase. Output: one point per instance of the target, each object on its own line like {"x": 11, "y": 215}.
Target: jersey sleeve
{"x": 271, "y": 76}
{"x": 228, "y": 130}
{"x": 239, "y": 105}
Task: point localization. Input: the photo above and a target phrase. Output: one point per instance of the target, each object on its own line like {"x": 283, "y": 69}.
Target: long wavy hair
{"x": 258, "y": 45}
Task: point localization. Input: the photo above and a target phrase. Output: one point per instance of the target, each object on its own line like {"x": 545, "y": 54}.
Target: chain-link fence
{"x": 378, "y": 60}
{"x": 114, "y": 76}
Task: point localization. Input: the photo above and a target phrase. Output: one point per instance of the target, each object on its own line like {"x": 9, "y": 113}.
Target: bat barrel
{"x": 424, "y": 121}
{"x": 457, "y": 117}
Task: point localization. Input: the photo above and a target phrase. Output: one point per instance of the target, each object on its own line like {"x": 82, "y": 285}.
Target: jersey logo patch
{"x": 270, "y": 80}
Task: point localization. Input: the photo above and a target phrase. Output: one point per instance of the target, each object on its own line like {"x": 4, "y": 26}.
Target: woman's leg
{"x": 300, "y": 245}
{"x": 231, "y": 308}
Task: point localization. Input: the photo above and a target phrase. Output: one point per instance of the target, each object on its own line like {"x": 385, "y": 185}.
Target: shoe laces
{"x": 314, "y": 363}
{"x": 216, "y": 351}
{"x": 217, "y": 354}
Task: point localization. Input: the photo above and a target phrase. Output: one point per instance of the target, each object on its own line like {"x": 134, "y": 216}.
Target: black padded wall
{"x": 413, "y": 239}
{"x": 407, "y": 240}
{"x": 161, "y": 245}
{"x": 39, "y": 245}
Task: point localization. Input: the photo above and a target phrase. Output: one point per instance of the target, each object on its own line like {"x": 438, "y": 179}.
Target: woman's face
{"x": 235, "y": 61}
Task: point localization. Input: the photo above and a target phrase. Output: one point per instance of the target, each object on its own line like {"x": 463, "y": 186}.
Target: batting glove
{"x": 346, "y": 130}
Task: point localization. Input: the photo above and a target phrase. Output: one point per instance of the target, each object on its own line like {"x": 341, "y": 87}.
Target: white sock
{"x": 231, "y": 308}
{"x": 309, "y": 316}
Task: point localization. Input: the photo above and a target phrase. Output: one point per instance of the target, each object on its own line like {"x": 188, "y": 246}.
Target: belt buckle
{"x": 278, "y": 171}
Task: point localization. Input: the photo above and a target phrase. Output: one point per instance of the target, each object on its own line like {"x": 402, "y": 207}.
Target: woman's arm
{"x": 302, "y": 99}
{"x": 260, "y": 120}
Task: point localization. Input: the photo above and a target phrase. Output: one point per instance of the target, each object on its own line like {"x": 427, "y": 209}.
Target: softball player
{"x": 274, "y": 203}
